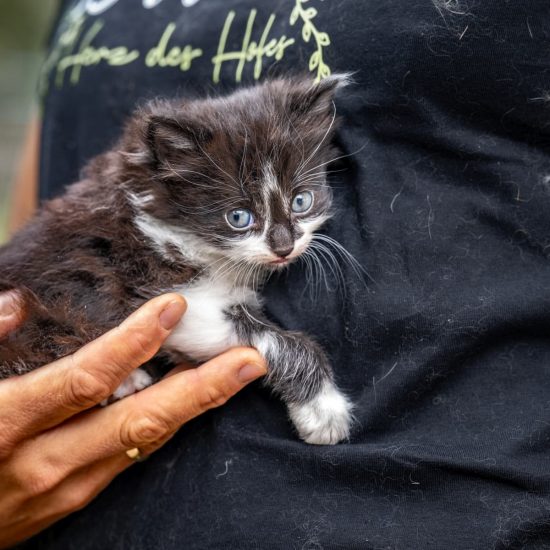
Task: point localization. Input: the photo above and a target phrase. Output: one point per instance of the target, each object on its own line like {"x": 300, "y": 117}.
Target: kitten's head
{"x": 241, "y": 176}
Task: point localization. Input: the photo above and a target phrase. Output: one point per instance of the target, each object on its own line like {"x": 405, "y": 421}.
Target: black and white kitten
{"x": 204, "y": 198}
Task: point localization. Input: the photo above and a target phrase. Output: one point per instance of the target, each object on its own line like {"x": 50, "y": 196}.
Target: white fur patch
{"x": 139, "y": 200}
{"x": 253, "y": 249}
{"x": 325, "y": 419}
{"x": 271, "y": 189}
{"x": 188, "y": 244}
{"x": 136, "y": 381}
{"x": 205, "y": 330}
{"x": 308, "y": 228}
{"x": 341, "y": 79}
{"x": 265, "y": 343}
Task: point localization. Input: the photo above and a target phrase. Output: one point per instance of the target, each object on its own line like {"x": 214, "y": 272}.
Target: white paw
{"x": 138, "y": 380}
{"x": 325, "y": 419}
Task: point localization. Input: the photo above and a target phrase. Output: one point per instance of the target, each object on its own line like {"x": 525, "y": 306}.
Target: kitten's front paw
{"x": 325, "y": 419}
{"x": 136, "y": 381}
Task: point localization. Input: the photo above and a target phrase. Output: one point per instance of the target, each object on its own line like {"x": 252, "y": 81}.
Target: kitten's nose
{"x": 281, "y": 240}
{"x": 283, "y": 252}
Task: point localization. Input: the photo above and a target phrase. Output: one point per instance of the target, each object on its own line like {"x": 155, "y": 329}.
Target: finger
{"x": 33, "y": 513}
{"x": 47, "y": 396}
{"x": 11, "y": 312}
{"x": 80, "y": 488}
{"x": 180, "y": 368}
{"x": 143, "y": 420}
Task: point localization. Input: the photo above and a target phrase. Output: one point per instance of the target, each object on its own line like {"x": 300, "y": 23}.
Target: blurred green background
{"x": 24, "y": 27}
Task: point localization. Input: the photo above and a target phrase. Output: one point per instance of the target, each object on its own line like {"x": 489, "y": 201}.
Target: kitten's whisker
{"x": 335, "y": 159}
{"x": 307, "y": 184}
{"x": 179, "y": 171}
{"x": 311, "y": 283}
{"x": 251, "y": 317}
{"x": 321, "y": 175}
{"x": 318, "y": 175}
{"x": 316, "y": 274}
{"x": 227, "y": 266}
{"x": 301, "y": 167}
{"x": 244, "y": 276}
{"x": 187, "y": 171}
{"x": 217, "y": 165}
{"x": 317, "y": 268}
{"x": 212, "y": 207}
{"x": 218, "y": 184}
{"x": 180, "y": 174}
{"x": 302, "y": 151}
{"x": 333, "y": 265}
{"x": 321, "y": 270}
{"x": 243, "y": 158}
{"x": 345, "y": 255}
{"x": 258, "y": 276}
{"x": 209, "y": 268}
{"x": 331, "y": 171}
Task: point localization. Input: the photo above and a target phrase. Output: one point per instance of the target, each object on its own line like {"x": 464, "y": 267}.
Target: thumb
{"x": 11, "y": 312}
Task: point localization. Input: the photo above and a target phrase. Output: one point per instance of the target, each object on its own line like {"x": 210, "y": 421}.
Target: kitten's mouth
{"x": 281, "y": 262}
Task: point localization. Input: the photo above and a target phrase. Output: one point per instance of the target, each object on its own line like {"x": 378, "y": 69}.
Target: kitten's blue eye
{"x": 302, "y": 202}
{"x": 240, "y": 218}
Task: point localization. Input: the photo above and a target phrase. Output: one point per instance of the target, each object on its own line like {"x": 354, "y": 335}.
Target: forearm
{"x": 25, "y": 188}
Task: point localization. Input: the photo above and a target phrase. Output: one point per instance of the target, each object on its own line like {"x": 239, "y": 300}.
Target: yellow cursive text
{"x": 250, "y": 49}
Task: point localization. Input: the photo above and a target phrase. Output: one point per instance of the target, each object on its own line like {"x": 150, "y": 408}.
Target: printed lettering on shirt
{"x": 79, "y": 44}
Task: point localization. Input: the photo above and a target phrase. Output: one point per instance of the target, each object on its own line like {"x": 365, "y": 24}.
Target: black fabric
{"x": 444, "y": 348}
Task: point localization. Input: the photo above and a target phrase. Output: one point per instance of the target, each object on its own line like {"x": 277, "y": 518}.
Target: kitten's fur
{"x": 149, "y": 217}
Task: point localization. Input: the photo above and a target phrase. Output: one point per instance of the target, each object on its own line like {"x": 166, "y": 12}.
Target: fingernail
{"x": 250, "y": 372}
{"x": 172, "y": 314}
{"x": 9, "y": 304}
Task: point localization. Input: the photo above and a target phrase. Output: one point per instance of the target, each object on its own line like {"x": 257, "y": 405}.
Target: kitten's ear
{"x": 316, "y": 98}
{"x": 170, "y": 137}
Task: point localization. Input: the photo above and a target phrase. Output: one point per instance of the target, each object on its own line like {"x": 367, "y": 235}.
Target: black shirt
{"x": 445, "y": 201}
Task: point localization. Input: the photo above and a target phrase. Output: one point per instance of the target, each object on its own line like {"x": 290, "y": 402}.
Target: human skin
{"x": 25, "y": 187}
{"x": 58, "y": 450}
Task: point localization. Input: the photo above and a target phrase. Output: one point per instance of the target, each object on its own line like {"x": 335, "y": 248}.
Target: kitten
{"x": 204, "y": 198}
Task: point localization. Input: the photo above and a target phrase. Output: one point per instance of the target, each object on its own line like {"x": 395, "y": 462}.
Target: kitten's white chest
{"x": 206, "y": 329}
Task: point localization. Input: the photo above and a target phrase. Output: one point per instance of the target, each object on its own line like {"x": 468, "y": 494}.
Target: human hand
{"x": 57, "y": 453}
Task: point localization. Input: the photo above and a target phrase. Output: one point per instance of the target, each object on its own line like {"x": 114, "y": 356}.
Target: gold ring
{"x": 135, "y": 455}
